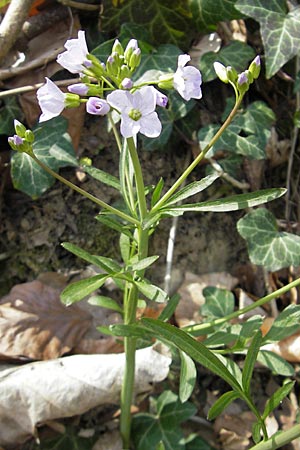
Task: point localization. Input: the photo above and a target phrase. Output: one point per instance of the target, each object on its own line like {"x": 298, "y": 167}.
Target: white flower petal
{"x": 150, "y": 125}
{"x": 183, "y": 60}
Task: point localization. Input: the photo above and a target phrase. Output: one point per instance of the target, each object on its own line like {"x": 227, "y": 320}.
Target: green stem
{"x": 279, "y": 440}
{"x": 130, "y": 304}
{"x": 140, "y": 188}
{"x": 86, "y": 194}
{"x": 199, "y": 158}
{"x": 260, "y": 302}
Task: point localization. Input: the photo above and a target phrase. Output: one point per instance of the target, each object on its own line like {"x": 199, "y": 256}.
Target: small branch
{"x": 227, "y": 177}
{"x": 12, "y": 23}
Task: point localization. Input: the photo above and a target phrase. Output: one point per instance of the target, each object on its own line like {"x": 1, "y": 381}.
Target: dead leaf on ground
{"x": 235, "y": 431}
{"x": 38, "y": 392}
{"x": 187, "y": 312}
{"x": 34, "y": 324}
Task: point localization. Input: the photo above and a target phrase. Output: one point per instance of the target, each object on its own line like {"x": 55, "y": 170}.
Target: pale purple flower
{"x": 15, "y": 140}
{"x": 74, "y": 59}
{"x": 242, "y": 79}
{"x": 51, "y": 100}
{"x": 137, "y": 111}
{"x": 161, "y": 99}
{"x": 127, "y": 83}
{"x": 97, "y": 106}
{"x": 78, "y": 88}
{"x": 187, "y": 80}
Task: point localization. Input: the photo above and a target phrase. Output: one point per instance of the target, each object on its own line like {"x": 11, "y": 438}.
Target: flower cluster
{"x": 241, "y": 82}
{"x": 23, "y": 139}
{"x": 135, "y": 104}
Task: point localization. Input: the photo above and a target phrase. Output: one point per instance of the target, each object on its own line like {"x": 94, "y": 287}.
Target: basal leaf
{"x": 50, "y": 138}
{"x": 188, "y": 374}
{"x": 165, "y": 20}
{"x": 236, "y": 53}
{"x": 218, "y": 302}
{"x": 267, "y": 246}
{"x": 207, "y": 14}
{"x": 279, "y": 29}
{"x": 275, "y": 363}
{"x": 79, "y": 289}
{"x": 222, "y": 403}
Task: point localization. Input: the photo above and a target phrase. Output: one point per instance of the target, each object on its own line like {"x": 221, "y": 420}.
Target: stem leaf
{"x": 250, "y": 361}
{"x": 221, "y": 404}
{"x": 188, "y": 374}
{"x": 79, "y": 289}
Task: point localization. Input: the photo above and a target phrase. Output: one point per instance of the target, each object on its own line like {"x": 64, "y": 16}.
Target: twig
{"x": 227, "y": 177}
{"x": 34, "y": 87}
{"x": 11, "y": 25}
{"x": 79, "y": 5}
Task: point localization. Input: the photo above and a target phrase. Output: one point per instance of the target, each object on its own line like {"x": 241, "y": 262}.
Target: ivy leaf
{"x": 285, "y": 324}
{"x": 247, "y": 135}
{"x": 50, "y": 139}
{"x": 236, "y": 51}
{"x": 267, "y": 246}
{"x": 275, "y": 363}
{"x": 148, "y": 430}
{"x": 218, "y": 302}
{"x": 166, "y": 20}
{"x": 8, "y": 112}
{"x": 279, "y": 30}
{"x": 207, "y": 14}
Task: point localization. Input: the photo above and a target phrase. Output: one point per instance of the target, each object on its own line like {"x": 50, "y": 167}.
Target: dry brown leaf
{"x": 187, "y": 312}
{"x": 66, "y": 387}
{"x": 235, "y": 430}
{"x": 34, "y": 324}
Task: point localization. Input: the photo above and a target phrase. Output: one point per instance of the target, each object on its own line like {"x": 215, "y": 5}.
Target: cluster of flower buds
{"x": 23, "y": 139}
{"x": 241, "y": 81}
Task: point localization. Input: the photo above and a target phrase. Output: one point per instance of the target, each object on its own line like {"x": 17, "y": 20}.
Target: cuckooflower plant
{"x": 107, "y": 88}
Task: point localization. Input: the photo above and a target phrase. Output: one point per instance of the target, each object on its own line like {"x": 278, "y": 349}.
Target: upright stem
{"x": 130, "y": 304}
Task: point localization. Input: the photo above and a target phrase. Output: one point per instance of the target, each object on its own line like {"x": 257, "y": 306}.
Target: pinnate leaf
{"x": 267, "y": 246}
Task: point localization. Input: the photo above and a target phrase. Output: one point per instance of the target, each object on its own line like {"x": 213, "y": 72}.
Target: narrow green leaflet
{"x": 267, "y": 246}
{"x": 105, "y": 302}
{"x": 142, "y": 264}
{"x": 107, "y": 264}
{"x": 157, "y": 192}
{"x": 79, "y": 289}
{"x": 188, "y": 374}
{"x": 113, "y": 223}
{"x": 285, "y": 324}
{"x": 170, "y": 308}
{"x": 275, "y": 363}
{"x": 165, "y": 20}
{"x": 277, "y": 398}
{"x": 279, "y": 30}
{"x": 151, "y": 291}
{"x": 218, "y": 303}
{"x": 27, "y": 175}
{"x": 236, "y": 53}
{"x": 250, "y": 361}
{"x": 232, "y": 203}
{"x": 207, "y": 14}
{"x": 194, "y": 349}
{"x": 102, "y": 176}
{"x": 193, "y": 188}
{"x": 222, "y": 403}
{"x": 129, "y": 331}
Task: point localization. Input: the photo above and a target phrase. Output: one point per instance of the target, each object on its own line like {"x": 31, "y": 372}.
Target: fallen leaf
{"x": 41, "y": 391}
{"x": 34, "y": 324}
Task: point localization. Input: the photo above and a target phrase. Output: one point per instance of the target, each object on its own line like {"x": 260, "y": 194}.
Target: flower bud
{"x": 221, "y": 72}
{"x": 19, "y": 144}
{"x": 20, "y": 128}
{"x": 255, "y": 67}
{"x": 97, "y": 106}
{"x": 130, "y": 48}
{"x": 85, "y": 161}
{"x": 117, "y": 47}
{"x": 231, "y": 74}
{"x": 125, "y": 71}
{"x": 135, "y": 59}
{"x": 29, "y": 136}
{"x": 127, "y": 83}
{"x": 243, "y": 82}
{"x": 78, "y": 88}
{"x": 112, "y": 66}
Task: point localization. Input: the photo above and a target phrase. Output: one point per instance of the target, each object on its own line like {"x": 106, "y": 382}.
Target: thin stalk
{"x": 260, "y": 302}
{"x": 278, "y": 441}
{"x": 86, "y": 194}
{"x": 199, "y": 158}
{"x": 130, "y": 303}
